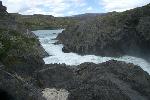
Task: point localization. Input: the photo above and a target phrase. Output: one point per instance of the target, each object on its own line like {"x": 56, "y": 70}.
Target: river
{"x": 56, "y": 55}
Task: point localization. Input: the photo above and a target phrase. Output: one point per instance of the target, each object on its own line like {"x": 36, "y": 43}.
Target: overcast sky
{"x": 70, "y": 7}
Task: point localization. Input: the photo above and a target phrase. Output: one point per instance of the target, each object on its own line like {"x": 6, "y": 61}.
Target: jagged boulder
{"x": 15, "y": 87}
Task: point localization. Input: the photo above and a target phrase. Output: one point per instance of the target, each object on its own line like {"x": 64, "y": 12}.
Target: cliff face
{"x": 113, "y": 34}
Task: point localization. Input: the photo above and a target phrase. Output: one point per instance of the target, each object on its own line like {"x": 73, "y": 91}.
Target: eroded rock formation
{"x": 111, "y": 80}
{"x": 113, "y": 34}
{"x": 2, "y": 8}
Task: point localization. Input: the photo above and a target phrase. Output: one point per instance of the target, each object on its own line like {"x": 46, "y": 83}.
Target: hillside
{"x": 113, "y": 34}
{"x": 16, "y": 40}
{"x": 38, "y": 21}
{"x": 86, "y": 16}
{"x": 20, "y": 55}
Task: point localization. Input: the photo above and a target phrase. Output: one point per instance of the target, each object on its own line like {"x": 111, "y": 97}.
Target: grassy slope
{"x": 15, "y": 43}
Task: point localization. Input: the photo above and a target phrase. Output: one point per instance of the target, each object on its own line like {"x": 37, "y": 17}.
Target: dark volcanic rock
{"x": 54, "y": 75}
{"x": 111, "y": 80}
{"x": 2, "y": 8}
{"x": 14, "y": 87}
{"x": 113, "y": 34}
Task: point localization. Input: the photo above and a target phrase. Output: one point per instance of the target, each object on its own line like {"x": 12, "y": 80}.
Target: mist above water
{"x": 47, "y": 39}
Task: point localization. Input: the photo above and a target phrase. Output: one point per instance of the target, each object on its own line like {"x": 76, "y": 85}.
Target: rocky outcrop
{"x": 20, "y": 51}
{"x": 20, "y": 55}
{"x": 14, "y": 87}
{"x": 113, "y": 34}
{"x": 18, "y": 42}
{"x": 107, "y": 81}
{"x": 111, "y": 80}
{"x": 2, "y": 8}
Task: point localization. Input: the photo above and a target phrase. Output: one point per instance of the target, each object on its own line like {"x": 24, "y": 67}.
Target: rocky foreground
{"x": 113, "y": 34}
{"x": 24, "y": 76}
{"x": 111, "y": 80}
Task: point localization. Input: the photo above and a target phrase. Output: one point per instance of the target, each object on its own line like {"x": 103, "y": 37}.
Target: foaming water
{"x": 47, "y": 39}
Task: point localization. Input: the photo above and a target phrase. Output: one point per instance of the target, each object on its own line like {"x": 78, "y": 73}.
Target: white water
{"x": 57, "y": 56}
